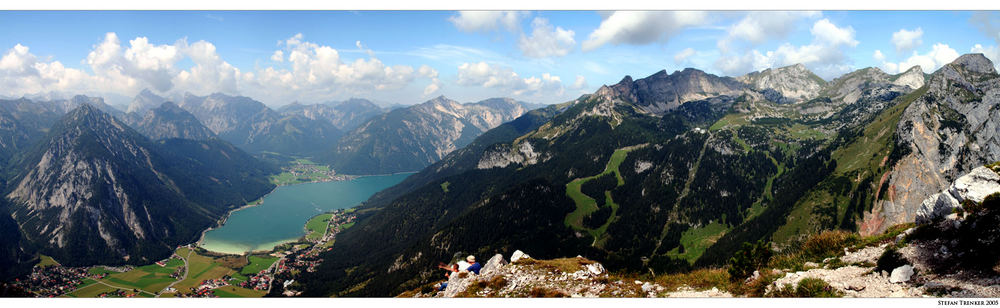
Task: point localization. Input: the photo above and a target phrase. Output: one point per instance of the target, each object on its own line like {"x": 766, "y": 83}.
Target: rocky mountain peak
{"x": 975, "y": 63}
{"x": 662, "y": 92}
{"x": 795, "y": 82}
{"x": 145, "y": 101}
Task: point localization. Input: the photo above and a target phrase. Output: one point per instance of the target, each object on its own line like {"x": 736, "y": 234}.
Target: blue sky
{"x": 408, "y": 57}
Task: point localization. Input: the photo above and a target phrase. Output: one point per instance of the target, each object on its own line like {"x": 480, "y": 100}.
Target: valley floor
{"x": 193, "y": 271}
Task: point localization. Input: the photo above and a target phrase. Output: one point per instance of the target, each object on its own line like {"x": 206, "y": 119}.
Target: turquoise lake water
{"x": 282, "y": 215}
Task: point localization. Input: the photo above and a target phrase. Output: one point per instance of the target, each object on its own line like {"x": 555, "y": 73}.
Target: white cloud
{"x": 210, "y": 73}
{"x": 641, "y": 27}
{"x": 758, "y": 27}
{"x": 22, "y": 73}
{"x": 825, "y": 55}
{"x": 831, "y": 35}
{"x": 580, "y": 83}
{"x": 939, "y": 55}
{"x": 315, "y": 70}
{"x": 427, "y": 71}
{"x": 546, "y": 41}
{"x": 878, "y": 56}
{"x": 140, "y": 65}
{"x": 486, "y": 75}
{"x": 312, "y": 72}
{"x": 906, "y": 40}
{"x": 683, "y": 55}
{"x": 472, "y": 21}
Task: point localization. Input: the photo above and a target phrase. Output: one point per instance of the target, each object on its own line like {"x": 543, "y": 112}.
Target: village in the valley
{"x": 194, "y": 272}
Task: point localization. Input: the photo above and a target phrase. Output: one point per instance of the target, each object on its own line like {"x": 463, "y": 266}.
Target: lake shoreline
{"x": 222, "y": 221}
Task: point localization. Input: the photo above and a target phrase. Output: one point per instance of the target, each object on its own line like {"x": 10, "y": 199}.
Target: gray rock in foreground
{"x": 901, "y": 274}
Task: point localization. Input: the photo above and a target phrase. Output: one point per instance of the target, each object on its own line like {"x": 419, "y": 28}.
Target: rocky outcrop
{"x": 913, "y": 78}
{"x": 527, "y": 277}
{"x": 946, "y": 132}
{"x": 974, "y": 186}
{"x": 795, "y": 82}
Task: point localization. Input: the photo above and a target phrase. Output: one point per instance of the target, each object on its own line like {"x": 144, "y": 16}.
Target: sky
{"x": 408, "y": 57}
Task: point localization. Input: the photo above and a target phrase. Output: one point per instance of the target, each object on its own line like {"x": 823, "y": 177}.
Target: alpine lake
{"x": 279, "y": 217}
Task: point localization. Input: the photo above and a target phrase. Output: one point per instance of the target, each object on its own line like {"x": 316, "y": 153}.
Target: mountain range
{"x": 662, "y": 174}
{"x": 409, "y": 139}
{"x": 676, "y": 171}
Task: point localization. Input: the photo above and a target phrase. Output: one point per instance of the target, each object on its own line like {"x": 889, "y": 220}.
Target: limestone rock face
{"x": 913, "y": 78}
{"x": 946, "y": 132}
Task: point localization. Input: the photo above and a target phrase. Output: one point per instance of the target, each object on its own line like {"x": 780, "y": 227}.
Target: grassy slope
{"x": 696, "y": 240}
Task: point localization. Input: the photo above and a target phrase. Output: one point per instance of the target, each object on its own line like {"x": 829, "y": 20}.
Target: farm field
{"x": 258, "y": 264}
{"x": 316, "y": 226}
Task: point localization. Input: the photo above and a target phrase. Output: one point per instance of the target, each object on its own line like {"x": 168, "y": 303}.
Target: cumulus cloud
{"x": 641, "y": 27}
{"x": 429, "y": 72}
{"x": 825, "y": 55}
{"x": 210, "y": 73}
{"x": 906, "y": 40}
{"x": 473, "y": 21}
{"x": 495, "y": 76}
{"x": 304, "y": 71}
{"x": 141, "y": 64}
{"x": 683, "y": 55}
{"x": 939, "y": 55}
{"x": 758, "y": 27}
{"x": 580, "y": 83}
{"x": 878, "y": 56}
{"x": 546, "y": 41}
{"x": 829, "y": 34}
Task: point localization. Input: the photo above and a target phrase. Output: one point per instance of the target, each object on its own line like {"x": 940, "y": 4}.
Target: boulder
{"x": 518, "y": 255}
{"x": 493, "y": 265}
{"x": 976, "y": 185}
{"x": 901, "y": 274}
{"x": 595, "y": 269}
{"x": 457, "y": 283}
{"x": 647, "y": 287}
{"x": 936, "y": 206}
